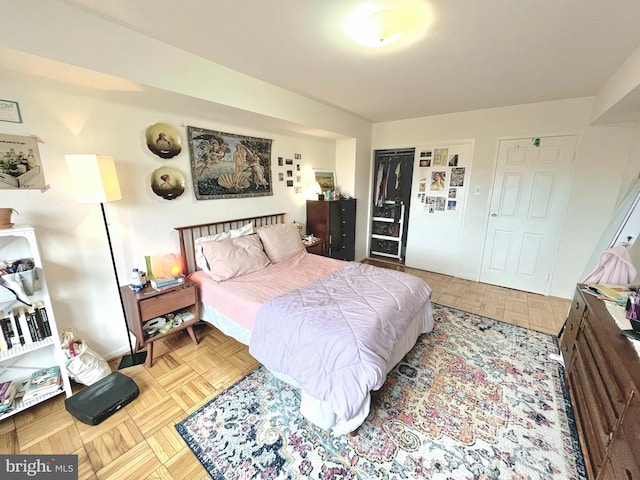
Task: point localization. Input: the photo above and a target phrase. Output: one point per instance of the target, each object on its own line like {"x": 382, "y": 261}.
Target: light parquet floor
{"x": 141, "y": 442}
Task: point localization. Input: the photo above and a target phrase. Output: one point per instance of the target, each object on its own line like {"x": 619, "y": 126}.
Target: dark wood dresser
{"x": 334, "y": 222}
{"x": 603, "y": 375}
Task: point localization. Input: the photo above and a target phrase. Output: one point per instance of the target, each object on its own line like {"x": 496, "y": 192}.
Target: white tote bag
{"x": 83, "y": 365}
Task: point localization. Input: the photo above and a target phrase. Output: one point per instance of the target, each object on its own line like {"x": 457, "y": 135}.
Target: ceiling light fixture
{"x": 386, "y": 22}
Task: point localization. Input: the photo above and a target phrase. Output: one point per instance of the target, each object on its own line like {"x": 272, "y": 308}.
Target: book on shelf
{"x": 8, "y": 391}
{"x": 18, "y": 326}
{"x": 23, "y": 326}
{"x": 26, "y": 337}
{"x": 43, "y": 319}
{"x": 42, "y": 382}
{"x": 4, "y": 389}
{"x": 9, "y": 330}
{"x": 32, "y": 323}
{"x": 5, "y": 342}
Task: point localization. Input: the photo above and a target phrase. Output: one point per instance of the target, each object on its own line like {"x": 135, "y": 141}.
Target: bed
{"x": 333, "y": 329}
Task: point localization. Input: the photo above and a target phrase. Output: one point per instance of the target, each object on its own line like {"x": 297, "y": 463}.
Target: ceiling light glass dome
{"x": 386, "y": 22}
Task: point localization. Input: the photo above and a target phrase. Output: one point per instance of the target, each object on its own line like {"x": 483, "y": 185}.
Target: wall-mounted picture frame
{"x": 326, "y": 179}
{"x": 20, "y": 163}
{"x": 228, "y": 165}
{"x": 10, "y": 112}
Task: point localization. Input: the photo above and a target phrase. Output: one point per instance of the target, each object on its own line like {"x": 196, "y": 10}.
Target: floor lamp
{"x": 95, "y": 180}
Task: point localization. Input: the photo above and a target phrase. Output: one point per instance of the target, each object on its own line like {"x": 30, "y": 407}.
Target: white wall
{"x": 602, "y": 159}
{"x": 72, "y": 237}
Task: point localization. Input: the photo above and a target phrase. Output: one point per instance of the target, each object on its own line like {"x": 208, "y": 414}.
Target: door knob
{"x": 494, "y": 214}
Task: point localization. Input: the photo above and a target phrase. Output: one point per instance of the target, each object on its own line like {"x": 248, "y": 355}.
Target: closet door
{"x": 435, "y": 237}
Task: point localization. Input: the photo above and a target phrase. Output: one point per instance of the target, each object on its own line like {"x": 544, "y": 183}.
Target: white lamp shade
{"x": 94, "y": 178}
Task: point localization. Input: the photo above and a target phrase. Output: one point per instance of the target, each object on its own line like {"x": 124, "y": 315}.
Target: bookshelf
{"x": 33, "y": 351}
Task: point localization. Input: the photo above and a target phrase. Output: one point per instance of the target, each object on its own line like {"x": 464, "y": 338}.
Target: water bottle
{"x": 136, "y": 281}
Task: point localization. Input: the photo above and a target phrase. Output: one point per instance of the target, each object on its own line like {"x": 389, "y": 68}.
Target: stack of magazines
{"x": 42, "y": 382}
{"x": 170, "y": 281}
{"x": 609, "y": 292}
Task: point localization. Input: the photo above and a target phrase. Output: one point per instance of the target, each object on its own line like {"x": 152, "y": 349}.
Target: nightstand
{"x": 148, "y": 304}
{"x": 316, "y": 246}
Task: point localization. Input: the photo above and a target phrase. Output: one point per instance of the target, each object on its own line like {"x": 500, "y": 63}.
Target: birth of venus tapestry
{"x": 226, "y": 165}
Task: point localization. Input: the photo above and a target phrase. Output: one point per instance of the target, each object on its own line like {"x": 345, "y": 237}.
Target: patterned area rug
{"x": 475, "y": 399}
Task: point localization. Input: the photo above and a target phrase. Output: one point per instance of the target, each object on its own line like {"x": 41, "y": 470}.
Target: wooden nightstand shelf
{"x": 149, "y": 304}
{"x": 317, "y": 246}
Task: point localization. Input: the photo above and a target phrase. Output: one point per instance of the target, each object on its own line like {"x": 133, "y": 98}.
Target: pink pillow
{"x": 201, "y": 261}
{"x": 234, "y": 257}
{"x": 281, "y": 241}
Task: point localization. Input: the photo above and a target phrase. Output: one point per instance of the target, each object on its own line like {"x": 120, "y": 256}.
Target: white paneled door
{"x": 530, "y": 195}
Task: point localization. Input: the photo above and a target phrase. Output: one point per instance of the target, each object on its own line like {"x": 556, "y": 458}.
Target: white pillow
{"x": 234, "y": 257}
{"x": 242, "y": 231}
{"x": 201, "y": 261}
{"x": 281, "y": 241}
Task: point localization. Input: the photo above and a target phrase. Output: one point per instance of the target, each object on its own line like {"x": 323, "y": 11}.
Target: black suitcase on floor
{"x": 100, "y": 400}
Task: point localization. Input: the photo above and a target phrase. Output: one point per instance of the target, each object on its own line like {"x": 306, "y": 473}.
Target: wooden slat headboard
{"x": 189, "y": 234}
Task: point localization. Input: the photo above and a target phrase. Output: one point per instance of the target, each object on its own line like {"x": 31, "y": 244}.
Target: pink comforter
{"x": 335, "y": 336}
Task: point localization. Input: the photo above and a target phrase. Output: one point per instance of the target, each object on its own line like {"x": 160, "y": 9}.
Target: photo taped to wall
{"x": 457, "y": 177}
{"x": 440, "y": 156}
{"x": 437, "y": 181}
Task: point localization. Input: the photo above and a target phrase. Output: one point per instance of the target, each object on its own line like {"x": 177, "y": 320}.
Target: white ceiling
{"x": 475, "y": 55}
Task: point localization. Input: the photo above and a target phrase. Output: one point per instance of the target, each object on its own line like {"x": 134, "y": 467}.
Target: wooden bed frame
{"x": 189, "y": 234}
